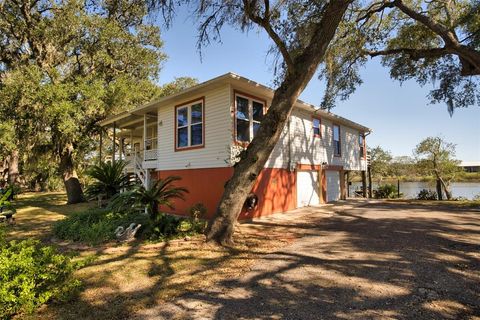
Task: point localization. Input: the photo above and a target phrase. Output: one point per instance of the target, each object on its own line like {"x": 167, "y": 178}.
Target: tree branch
{"x": 448, "y": 36}
{"x": 265, "y": 23}
{"x": 371, "y": 10}
{"x": 415, "y": 54}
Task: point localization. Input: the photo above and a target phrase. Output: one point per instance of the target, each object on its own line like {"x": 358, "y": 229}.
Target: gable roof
{"x": 136, "y": 114}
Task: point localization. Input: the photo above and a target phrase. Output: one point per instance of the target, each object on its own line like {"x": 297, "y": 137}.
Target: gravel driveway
{"x": 355, "y": 260}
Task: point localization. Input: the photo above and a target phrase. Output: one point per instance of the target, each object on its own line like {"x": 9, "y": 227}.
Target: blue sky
{"x": 400, "y": 115}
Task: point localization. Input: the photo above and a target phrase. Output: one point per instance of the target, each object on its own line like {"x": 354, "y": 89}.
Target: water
{"x": 410, "y": 190}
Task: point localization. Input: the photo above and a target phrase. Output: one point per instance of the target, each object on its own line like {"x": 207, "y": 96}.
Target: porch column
{"x": 369, "y": 172}
{"x": 364, "y": 183}
{"x": 101, "y": 146}
{"x": 347, "y": 173}
{"x": 114, "y": 141}
{"x": 132, "y": 149}
{"x": 144, "y": 134}
{"x": 121, "y": 148}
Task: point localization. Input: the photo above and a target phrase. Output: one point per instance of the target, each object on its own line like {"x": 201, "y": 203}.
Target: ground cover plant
{"x": 98, "y": 225}
{"x": 95, "y": 226}
{"x": 426, "y": 194}
{"x": 387, "y": 191}
{"x": 32, "y": 274}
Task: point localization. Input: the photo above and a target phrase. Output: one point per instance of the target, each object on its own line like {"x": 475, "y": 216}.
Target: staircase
{"x": 141, "y": 173}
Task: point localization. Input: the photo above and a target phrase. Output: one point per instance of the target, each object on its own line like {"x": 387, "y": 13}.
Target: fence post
{"x": 398, "y": 188}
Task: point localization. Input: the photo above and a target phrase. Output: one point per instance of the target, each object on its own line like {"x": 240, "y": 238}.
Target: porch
{"x": 133, "y": 138}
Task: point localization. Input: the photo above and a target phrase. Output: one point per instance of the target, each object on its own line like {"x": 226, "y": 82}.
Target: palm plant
{"x": 110, "y": 179}
{"x": 139, "y": 198}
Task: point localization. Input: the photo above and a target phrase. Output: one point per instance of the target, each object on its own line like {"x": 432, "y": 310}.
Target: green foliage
{"x": 197, "y": 211}
{"x": 109, "y": 179}
{"x": 426, "y": 194}
{"x": 95, "y": 226}
{"x": 436, "y": 157}
{"x": 5, "y": 202}
{"x": 386, "y": 191}
{"x": 177, "y": 85}
{"x": 161, "y": 193}
{"x": 380, "y": 160}
{"x": 31, "y": 275}
{"x": 410, "y": 48}
{"x": 165, "y": 226}
{"x": 66, "y": 65}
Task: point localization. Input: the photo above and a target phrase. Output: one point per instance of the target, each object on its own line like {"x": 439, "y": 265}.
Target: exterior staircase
{"x": 139, "y": 172}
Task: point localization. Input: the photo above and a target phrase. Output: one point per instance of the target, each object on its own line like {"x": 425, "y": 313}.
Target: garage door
{"x": 333, "y": 185}
{"x": 307, "y": 188}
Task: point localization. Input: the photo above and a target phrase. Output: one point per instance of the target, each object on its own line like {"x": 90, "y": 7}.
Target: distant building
{"x": 470, "y": 166}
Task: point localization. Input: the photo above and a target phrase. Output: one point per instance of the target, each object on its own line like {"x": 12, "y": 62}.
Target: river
{"x": 410, "y": 190}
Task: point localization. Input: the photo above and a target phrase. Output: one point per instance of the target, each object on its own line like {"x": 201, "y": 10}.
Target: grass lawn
{"x": 122, "y": 278}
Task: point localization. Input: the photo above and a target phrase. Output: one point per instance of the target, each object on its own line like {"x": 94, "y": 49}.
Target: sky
{"x": 399, "y": 114}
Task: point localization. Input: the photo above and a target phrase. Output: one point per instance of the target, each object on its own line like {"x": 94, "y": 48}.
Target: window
{"x": 316, "y": 127}
{"x": 189, "y": 125}
{"x": 249, "y": 114}
{"x": 337, "y": 147}
{"x": 361, "y": 144}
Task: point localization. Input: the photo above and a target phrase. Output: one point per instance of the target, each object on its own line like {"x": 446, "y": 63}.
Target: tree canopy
{"x": 433, "y": 42}
{"x": 66, "y": 65}
{"x": 436, "y": 157}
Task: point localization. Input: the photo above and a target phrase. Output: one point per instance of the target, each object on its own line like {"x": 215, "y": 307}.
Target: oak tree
{"x": 66, "y": 65}
{"x": 433, "y": 42}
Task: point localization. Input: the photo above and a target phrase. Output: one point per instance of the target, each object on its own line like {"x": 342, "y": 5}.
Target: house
{"x": 196, "y": 134}
{"x": 470, "y": 166}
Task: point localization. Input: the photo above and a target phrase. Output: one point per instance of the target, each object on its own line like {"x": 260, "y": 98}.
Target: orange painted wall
{"x": 276, "y": 192}
{"x": 275, "y": 188}
{"x": 204, "y": 185}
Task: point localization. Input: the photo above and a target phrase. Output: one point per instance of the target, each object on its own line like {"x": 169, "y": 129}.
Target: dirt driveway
{"x": 356, "y": 260}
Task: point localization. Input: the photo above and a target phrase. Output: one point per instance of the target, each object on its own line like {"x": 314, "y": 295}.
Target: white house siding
{"x": 218, "y": 133}
{"x": 308, "y": 149}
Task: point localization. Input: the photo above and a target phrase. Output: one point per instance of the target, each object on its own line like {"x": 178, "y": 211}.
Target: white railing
{"x": 140, "y": 172}
{"x": 150, "y": 155}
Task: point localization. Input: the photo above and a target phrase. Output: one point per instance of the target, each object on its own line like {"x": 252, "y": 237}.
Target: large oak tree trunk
{"x": 253, "y": 159}
{"x": 70, "y": 177}
{"x": 13, "y": 171}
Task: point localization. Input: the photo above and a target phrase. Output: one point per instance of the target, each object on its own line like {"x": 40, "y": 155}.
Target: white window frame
{"x": 250, "y": 115}
{"x": 189, "y": 125}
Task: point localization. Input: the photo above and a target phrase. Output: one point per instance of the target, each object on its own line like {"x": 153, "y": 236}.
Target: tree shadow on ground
{"x": 374, "y": 261}
{"x": 393, "y": 262}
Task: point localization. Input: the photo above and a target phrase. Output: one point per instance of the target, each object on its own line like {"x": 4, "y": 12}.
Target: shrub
{"x": 426, "y": 194}
{"x": 31, "y": 275}
{"x": 109, "y": 179}
{"x": 386, "y": 191}
{"x": 197, "y": 211}
{"x": 94, "y": 226}
{"x": 161, "y": 193}
{"x": 166, "y": 226}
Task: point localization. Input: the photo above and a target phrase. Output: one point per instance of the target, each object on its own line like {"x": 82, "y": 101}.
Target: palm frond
{"x": 110, "y": 179}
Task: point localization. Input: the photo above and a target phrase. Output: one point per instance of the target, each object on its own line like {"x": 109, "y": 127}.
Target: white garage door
{"x": 333, "y": 185}
{"x": 307, "y": 188}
